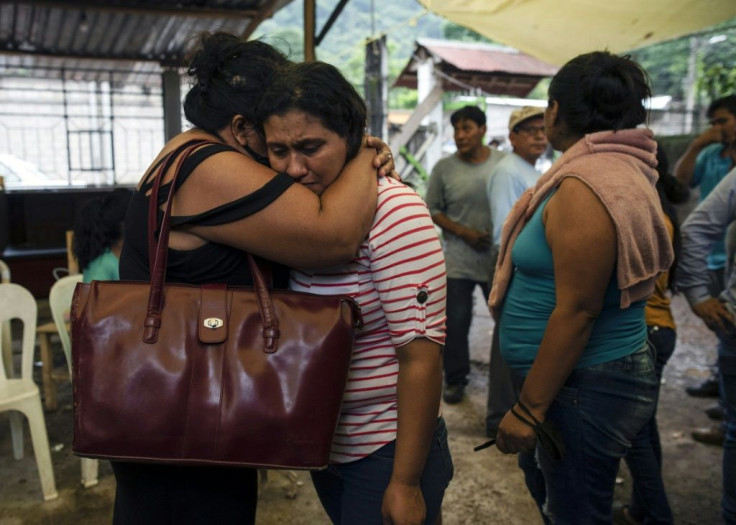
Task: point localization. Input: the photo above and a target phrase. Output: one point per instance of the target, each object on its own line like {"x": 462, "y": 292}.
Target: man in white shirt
{"x": 508, "y": 180}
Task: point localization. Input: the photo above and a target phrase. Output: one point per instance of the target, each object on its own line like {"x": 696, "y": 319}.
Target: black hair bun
{"x": 213, "y": 51}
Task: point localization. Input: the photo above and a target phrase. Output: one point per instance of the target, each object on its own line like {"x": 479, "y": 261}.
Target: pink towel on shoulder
{"x": 619, "y": 168}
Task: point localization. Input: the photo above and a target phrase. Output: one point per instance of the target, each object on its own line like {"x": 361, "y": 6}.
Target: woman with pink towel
{"x": 580, "y": 254}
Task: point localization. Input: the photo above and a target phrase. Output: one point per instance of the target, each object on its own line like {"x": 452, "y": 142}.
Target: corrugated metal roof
{"x": 123, "y": 34}
{"x": 495, "y": 69}
{"x": 487, "y": 58}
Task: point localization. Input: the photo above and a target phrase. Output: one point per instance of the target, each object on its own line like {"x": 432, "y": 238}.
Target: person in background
{"x": 390, "y": 460}
{"x": 580, "y": 255}
{"x": 456, "y": 196}
{"x": 98, "y": 236}
{"x": 705, "y": 227}
{"x": 511, "y": 177}
{"x": 226, "y": 204}
{"x": 706, "y": 161}
{"x": 649, "y": 503}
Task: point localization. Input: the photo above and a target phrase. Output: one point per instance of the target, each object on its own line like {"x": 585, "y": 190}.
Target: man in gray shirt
{"x": 705, "y": 226}
{"x": 457, "y": 201}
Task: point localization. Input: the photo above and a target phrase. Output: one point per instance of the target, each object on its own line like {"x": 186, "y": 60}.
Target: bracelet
{"x": 528, "y": 412}
{"x": 523, "y": 419}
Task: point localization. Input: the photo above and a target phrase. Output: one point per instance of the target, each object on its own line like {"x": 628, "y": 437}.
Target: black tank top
{"x": 211, "y": 262}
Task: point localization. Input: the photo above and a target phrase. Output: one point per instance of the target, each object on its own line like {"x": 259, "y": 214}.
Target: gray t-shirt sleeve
{"x": 435, "y": 197}
{"x": 705, "y": 226}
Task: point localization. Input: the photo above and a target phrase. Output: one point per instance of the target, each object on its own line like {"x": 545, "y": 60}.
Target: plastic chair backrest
{"x": 6, "y": 339}
{"x": 71, "y": 259}
{"x": 17, "y": 303}
{"x": 60, "y": 300}
{"x": 4, "y": 272}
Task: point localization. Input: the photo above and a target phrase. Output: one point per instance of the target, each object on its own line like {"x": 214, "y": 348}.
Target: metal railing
{"x": 82, "y": 126}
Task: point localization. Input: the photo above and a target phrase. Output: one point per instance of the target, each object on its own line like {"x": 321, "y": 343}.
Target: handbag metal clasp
{"x": 213, "y": 322}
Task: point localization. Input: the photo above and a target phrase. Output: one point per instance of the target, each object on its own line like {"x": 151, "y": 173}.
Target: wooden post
{"x": 171, "y": 84}
{"x": 376, "y": 89}
{"x": 309, "y": 29}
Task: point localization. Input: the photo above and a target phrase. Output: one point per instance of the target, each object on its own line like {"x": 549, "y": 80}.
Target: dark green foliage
{"x": 403, "y": 21}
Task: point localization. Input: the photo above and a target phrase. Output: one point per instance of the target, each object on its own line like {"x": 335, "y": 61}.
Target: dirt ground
{"x": 487, "y": 488}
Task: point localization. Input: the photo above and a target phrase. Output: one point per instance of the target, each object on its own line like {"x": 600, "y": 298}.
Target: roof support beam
{"x": 148, "y": 9}
{"x": 80, "y": 56}
{"x": 422, "y": 110}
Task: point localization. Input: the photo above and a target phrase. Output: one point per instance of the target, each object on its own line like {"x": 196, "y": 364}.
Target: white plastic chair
{"x": 21, "y": 394}
{"x": 6, "y": 341}
{"x": 60, "y": 300}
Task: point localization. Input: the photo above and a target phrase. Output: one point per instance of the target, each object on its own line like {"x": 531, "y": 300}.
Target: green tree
{"x": 666, "y": 64}
{"x": 716, "y": 81}
{"x": 452, "y": 31}
{"x": 717, "y": 54}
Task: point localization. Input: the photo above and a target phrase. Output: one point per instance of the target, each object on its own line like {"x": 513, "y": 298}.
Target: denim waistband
{"x": 639, "y": 362}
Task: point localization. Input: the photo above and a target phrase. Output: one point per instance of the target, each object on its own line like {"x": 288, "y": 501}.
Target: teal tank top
{"x": 530, "y": 299}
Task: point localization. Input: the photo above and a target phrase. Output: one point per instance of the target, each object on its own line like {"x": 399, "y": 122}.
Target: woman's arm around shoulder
{"x": 299, "y": 228}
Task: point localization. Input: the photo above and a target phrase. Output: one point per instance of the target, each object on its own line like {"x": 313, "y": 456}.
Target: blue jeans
{"x": 599, "y": 411}
{"x": 352, "y": 493}
{"x": 649, "y": 502}
{"x": 727, "y": 377}
{"x": 456, "y": 355}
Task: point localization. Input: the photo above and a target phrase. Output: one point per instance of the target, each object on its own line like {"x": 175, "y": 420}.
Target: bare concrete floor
{"x": 488, "y": 487}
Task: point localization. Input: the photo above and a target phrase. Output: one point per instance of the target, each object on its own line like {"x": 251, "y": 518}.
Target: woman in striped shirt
{"x": 389, "y": 461}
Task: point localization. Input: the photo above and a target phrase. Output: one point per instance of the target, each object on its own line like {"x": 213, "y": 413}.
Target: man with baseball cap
{"x": 509, "y": 179}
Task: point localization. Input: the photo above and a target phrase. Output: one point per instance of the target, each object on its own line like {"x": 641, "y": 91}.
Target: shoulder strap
{"x": 190, "y": 163}
{"x": 153, "y": 202}
{"x": 152, "y": 322}
{"x": 239, "y": 208}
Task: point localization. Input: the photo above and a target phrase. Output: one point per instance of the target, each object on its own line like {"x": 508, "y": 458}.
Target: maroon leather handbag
{"x": 212, "y": 374}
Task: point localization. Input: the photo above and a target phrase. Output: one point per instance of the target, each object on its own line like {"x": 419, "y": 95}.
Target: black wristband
{"x": 523, "y": 419}
{"x": 528, "y": 412}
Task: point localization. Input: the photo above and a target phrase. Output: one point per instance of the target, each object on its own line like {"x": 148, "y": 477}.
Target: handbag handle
{"x": 158, "y": 255}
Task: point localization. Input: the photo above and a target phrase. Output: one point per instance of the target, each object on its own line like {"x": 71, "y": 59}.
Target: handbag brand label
{"x": 213, "y": 323}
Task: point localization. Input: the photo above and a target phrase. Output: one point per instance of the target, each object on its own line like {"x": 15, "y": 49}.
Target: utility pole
{"x": 689, "y": 83}
{"x": 376, "y": 88}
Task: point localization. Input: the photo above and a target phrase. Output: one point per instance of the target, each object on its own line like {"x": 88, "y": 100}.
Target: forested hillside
{"x": 403, "y": 21}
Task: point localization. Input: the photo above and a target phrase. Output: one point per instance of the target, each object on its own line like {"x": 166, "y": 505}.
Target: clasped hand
{"x": 712, "y": 135}
{"x": 714, "y": 313}
{"x": 514, "y": 435}
{"x": 476, "y": 239}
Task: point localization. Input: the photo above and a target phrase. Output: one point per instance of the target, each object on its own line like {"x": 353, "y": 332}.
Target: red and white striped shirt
{"x": 399, "y": 280}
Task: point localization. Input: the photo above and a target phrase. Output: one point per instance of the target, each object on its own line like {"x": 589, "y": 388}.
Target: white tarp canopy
{"x": 558, "y": 30}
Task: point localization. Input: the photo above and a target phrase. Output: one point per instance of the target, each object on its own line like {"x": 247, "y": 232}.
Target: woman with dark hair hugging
{"x": 227, "y": 203}
{"x": 580, "y": 255}
{"x": 390, "y": 462}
